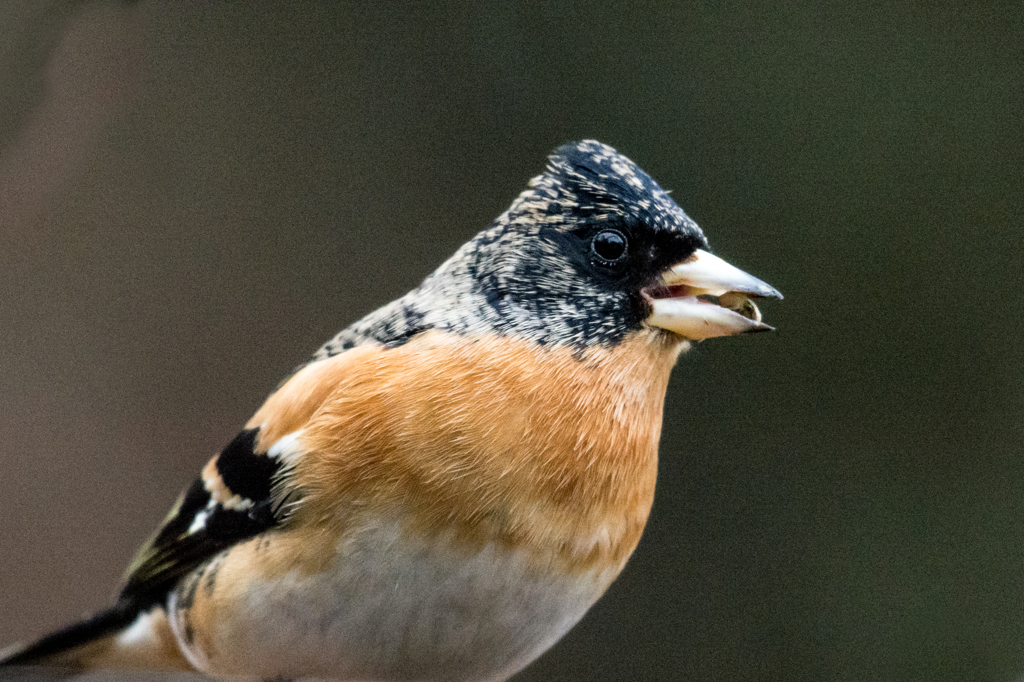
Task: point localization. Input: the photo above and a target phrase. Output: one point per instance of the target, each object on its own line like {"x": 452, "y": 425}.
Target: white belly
{"x": 388, "y": 611}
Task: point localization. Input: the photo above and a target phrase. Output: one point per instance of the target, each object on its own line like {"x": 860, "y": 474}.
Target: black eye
{"x": 609, "y": 246}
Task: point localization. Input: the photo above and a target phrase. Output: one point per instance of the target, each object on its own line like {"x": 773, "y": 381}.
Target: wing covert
{"x": 232, "y": 501}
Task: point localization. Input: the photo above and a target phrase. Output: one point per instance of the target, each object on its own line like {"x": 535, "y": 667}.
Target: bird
{"x": 447, "y": 485}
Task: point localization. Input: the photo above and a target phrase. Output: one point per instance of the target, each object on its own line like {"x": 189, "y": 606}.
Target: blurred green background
{"x": 193, "y": 196}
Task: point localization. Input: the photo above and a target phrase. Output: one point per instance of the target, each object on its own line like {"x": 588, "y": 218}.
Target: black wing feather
{"x": 198, "y": 528}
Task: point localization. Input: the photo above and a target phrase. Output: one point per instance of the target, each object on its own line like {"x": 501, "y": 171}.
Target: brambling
{"x": 449, "y": 484}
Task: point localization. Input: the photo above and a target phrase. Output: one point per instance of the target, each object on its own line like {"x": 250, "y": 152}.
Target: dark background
{"x": 194, "y": 196}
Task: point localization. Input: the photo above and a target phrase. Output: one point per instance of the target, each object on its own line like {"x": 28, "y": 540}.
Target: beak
{"x": 680, "y": 302}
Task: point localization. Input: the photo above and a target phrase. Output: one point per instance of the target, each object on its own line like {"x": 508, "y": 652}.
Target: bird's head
{"x": 595, "y": 249}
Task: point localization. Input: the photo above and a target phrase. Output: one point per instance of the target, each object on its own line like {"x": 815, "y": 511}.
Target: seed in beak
{"x": 740, "y": 303}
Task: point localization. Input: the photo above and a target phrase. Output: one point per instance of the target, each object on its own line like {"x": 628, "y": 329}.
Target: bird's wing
{"x": 237, "y": 497}
{"x": 245, "y": 490}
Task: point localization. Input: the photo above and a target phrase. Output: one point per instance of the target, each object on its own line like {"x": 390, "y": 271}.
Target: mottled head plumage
{"x": 591, "y": 182}
{"x": 534, "y": 273}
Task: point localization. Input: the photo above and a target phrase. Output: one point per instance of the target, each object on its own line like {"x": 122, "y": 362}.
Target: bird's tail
{"x": 122, "y": 637}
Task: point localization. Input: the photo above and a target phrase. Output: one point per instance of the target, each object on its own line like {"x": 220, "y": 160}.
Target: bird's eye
{"x": 609, "y": 246}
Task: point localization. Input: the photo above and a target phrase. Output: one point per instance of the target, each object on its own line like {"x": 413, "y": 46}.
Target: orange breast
{"x": 487, "y": 440}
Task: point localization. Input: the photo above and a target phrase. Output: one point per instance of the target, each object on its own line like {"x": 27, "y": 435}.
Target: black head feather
{"x": 549, "y": 269}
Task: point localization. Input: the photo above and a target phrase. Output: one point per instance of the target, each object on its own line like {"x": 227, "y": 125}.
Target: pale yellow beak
{"x": 682, "y": 302}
